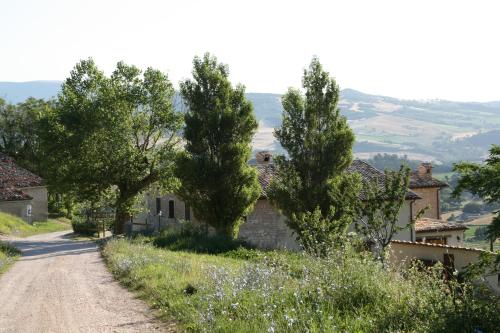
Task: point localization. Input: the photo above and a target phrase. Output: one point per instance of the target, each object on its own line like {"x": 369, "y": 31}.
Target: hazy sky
{"x": 408, "y": 49}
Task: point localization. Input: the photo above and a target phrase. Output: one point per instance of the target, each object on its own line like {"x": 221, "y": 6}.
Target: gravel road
{"x": 61, "y": 285}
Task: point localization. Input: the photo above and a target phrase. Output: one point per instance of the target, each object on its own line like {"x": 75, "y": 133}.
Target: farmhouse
{"x": 22, "y": 193}
{"x": 264, "y": 227}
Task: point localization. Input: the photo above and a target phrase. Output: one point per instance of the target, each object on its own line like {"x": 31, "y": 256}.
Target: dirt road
{"x": 61, "y": 285}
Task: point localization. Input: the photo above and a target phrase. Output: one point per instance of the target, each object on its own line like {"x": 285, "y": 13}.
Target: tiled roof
{"x": 13, "y": 179}
{"x": 437, "y": 246}
{"x": 420, "y": 181}
{"x": 433, "y": 225}
{"x": 14, "y": 176}
{"x": 12, "y": 194}
{"x": 367, "y": 172}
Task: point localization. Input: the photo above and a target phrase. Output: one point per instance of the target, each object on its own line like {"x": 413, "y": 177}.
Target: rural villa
{"x": 22, "y": 193}
{"x": 430, "y": 239}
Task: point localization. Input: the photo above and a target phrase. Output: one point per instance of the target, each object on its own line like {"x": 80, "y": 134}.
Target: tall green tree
{"x": 118, "y": 132}
{"x": 483, "y": 180}
{"x": 319, "y": 143}
{"x": 216, "y": 179}
{"x": 19, "y": 125}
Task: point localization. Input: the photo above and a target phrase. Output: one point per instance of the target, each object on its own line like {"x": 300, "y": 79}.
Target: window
{"x": 158, "y": 206}
{"x": 171, "y": 213}
{"x": 187, "y": 212}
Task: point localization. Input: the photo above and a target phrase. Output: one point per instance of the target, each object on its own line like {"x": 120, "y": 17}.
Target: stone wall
{"x": 16, "y": 208}
{"x": 430, "y": 196}
{"x": 405, "y": 253}
{"x": 265, "y": 228}
{"x": 453, "y": 237}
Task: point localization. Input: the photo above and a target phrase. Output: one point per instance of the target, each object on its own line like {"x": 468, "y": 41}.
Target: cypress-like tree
{"x": 216, "y": 179}
{"x": 319, "y": 143}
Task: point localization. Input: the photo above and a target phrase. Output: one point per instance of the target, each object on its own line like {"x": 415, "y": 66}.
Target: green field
{"x": 479, "y": 244}
{"x": 14, "y": 226}
{"x": 246, "y": 290}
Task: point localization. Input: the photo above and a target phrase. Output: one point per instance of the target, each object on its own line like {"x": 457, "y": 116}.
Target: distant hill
{"x": 15, "y": 92}
{"x": 421, "y": 129}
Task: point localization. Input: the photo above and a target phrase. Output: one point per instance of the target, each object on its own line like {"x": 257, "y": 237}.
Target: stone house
{"x": 265, "y": 226}
{"x": 437, "y": 240}
{"x": 427, "y": 188}
{"x": 22, "y": 193}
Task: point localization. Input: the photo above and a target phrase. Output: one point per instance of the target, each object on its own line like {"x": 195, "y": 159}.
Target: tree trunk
{"x": 122, "y": 215}
{"x": 227, "y": 231}
{"x": 121, "y": 219}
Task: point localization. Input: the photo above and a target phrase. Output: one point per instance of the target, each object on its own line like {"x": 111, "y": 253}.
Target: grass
{"x": 471, "y": 241}
{"x": 8, "y": 254}
{"x": 14, "y": 226}
{"x": 246, "y": 290}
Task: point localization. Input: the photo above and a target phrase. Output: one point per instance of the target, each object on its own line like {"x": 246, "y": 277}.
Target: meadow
{"x": 246, "y": 290}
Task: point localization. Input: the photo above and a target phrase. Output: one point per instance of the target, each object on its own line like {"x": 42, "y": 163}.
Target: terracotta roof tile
{"x": 13, "y": 179}
{"x": 438, "y": 246}
{"x": 367, "y": 172}
{"x": 430, "y": 225}
{"x": 421, "y": 181}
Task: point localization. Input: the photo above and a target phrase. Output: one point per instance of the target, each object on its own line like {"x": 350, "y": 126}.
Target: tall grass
{"x": 291, "y": 292}
{"x": 8, "y": 254}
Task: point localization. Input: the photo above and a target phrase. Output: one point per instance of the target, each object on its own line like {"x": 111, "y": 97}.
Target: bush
{"x": 8, "y": 253}
{"x": 83, "y": 227}
{"x": 9, "y": 249}
{"x": 193, "y": 239}
{"x": 481, "y": 233}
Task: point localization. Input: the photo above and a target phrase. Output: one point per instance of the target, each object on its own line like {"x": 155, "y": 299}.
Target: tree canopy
{"x": 483, "y": 180}
{"x": 118, "y": 132}
{"x": 318, "y": 142}
{"x": 216, "y": 179}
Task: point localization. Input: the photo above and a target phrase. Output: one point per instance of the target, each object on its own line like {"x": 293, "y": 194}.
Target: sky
{"x": 408, "y": 49}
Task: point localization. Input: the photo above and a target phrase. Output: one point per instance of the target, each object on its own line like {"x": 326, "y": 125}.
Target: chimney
{"x": 263, "y": 157}
{"x": 425, "y": 170}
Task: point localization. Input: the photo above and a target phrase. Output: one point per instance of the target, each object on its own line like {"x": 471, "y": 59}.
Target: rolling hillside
{"x": 427, "y": 130}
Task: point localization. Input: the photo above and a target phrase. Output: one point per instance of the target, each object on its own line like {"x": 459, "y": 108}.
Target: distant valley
{"x": 437, "y": 130}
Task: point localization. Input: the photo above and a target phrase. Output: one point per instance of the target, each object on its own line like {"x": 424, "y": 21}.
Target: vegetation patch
{"x": 8, "y": 255}
{"x": 14, "y": 226}
{"x": 192, "y": 239}
{"x": 252, "y": 291}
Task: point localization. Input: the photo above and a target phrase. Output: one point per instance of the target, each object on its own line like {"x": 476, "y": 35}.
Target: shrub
{"x": 8, "y": 253}
{"x": 481, "y": 233}
{"x": 9, "y": 249}
{"x": 84, "y": 227}
{"x": 194, "y": 239}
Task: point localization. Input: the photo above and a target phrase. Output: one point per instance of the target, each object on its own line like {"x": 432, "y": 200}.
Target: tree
{"x": 382, "y": 201}
{"x": 483, "y": 180}
{"x": 319, "y": 143}
{"x": 19, "y": 126}
{"x": 472, "y": 208}
{"x": 118, "y": 132}
{"x": 493, "y": 231}
{"x": 216, "y": 179}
